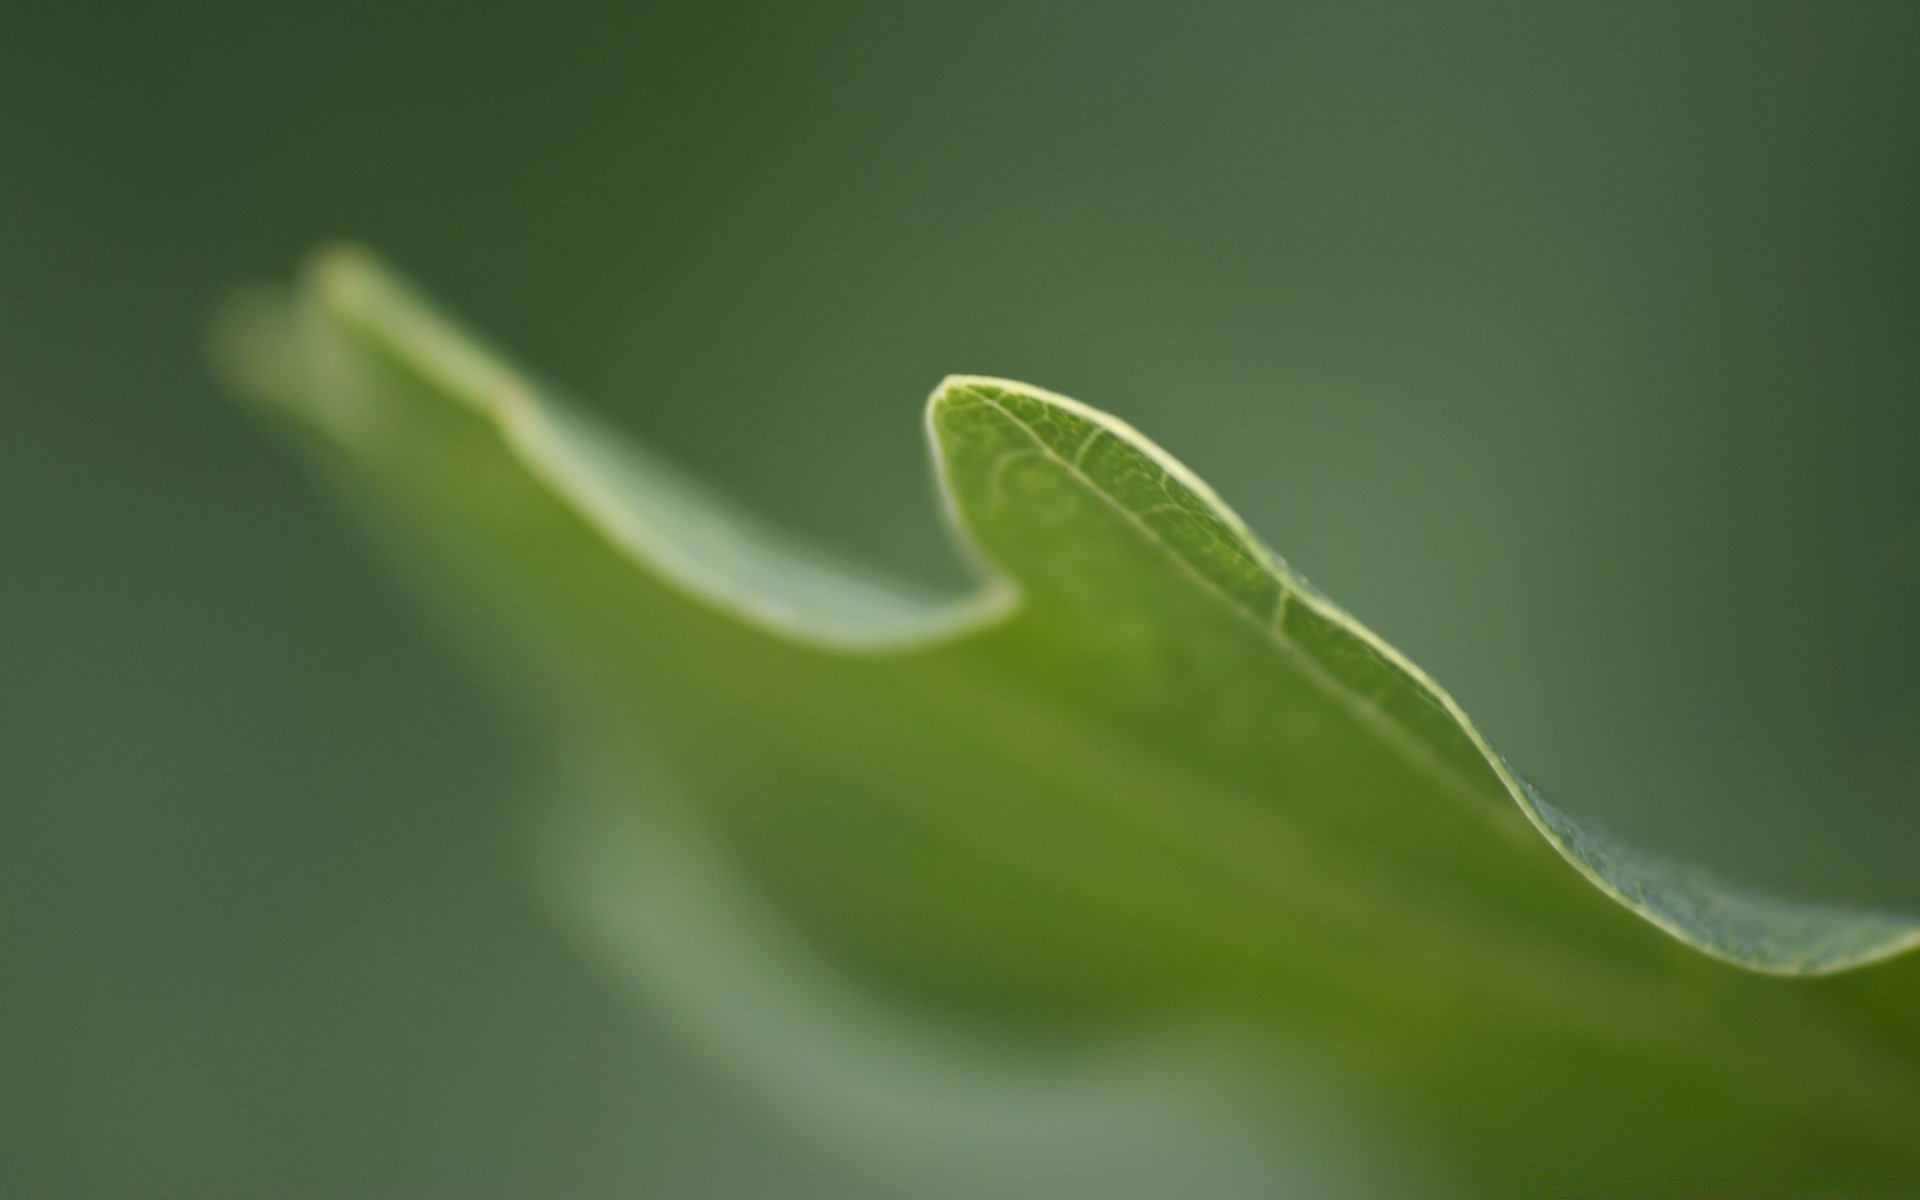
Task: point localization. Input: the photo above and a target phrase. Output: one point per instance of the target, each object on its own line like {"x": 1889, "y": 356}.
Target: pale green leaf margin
{"x": 672, "y": 526}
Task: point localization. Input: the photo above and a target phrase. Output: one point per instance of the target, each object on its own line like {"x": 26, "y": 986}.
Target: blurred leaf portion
{"x": 1146, "y": 770}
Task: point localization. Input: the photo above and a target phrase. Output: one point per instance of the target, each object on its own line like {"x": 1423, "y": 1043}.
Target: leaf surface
{"x": 1144, "y": 771}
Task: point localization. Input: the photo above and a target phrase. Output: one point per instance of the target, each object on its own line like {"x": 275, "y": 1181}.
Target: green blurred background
{"x": 1573, "y": 348}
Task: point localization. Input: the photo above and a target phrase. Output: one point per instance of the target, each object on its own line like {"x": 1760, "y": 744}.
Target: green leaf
{"x": 1144, "y": 773}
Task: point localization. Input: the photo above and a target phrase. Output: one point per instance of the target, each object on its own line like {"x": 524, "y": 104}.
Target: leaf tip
{"x": 952, "y": 392}
{"x": 340, "y": 270}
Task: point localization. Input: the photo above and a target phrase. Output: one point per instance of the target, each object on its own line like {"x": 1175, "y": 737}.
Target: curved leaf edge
{"x": 844, "y": 608}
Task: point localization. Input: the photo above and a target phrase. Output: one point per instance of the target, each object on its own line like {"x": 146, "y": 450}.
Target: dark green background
{"x": 1574, "y": 348}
